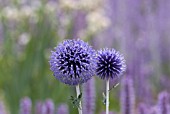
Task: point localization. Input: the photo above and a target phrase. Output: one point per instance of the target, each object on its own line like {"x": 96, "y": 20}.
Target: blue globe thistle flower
{"x": 73, "y": 62}
{"x": 110, "y": 64}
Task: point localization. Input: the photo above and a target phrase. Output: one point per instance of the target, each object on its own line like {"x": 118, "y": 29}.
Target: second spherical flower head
{"x": 110, "y": 64}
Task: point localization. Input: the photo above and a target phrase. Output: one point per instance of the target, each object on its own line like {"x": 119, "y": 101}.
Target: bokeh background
{"x": 30, "y": 29}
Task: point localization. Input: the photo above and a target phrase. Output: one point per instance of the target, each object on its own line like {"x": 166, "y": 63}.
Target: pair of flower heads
{"x": 74, "y": 62}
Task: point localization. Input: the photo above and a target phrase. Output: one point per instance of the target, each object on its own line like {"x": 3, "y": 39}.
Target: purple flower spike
{"x": 73, "y": 62}
{"x": 62, "y": 109}
{"x": 49, "y": 106}
{"x": 2, "y": 108}
{"x": 25, "y": 106}
{"x": 40, "y": 108}
{"x": 110, "y": 64}
{"x": 143, "y": 109}
{"x": 89, "y": 97}
{"x": 163, "y": 103}
{"x": 127, "y": 97}
{"x": 153, "y": 110}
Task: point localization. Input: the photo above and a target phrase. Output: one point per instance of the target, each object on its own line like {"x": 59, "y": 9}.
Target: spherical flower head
{"x": 110, "y": 64}
{"x": 73, "y": 62}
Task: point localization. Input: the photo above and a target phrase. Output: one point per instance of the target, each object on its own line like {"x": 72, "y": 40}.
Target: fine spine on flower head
{"x": 73, "y": 62}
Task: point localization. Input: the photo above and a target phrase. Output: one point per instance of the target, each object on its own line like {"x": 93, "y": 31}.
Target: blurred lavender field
{"x": 139, "y": 29}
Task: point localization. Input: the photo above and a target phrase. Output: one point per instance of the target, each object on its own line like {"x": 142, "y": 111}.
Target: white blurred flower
{"x": 27, "y": 11}
{"x": 11, "y": 13}
{"x": 51, "y": 6}
{"x": 97, "y": 21}
{"x": 87, "y": 5}
{"x": 90, "y": 4}
{"x": 24, "y": 38}
{"x": 69, "y": 4}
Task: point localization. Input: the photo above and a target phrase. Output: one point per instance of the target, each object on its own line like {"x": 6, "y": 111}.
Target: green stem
{"x": 78, "y": 93}
{"x": 107, "y": 96}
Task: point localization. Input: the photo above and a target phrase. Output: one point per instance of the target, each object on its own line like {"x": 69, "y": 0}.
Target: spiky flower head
{"x": 110, "y": 64}
{"x": 73, "y": 62}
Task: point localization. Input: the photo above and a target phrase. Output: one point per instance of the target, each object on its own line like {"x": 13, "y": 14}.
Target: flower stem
{"x": 78, "y": 93}
{"x": 107, "y": 96}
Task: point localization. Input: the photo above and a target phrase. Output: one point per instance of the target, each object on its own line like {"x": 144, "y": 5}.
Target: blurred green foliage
{"x": 27, "y": 73}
